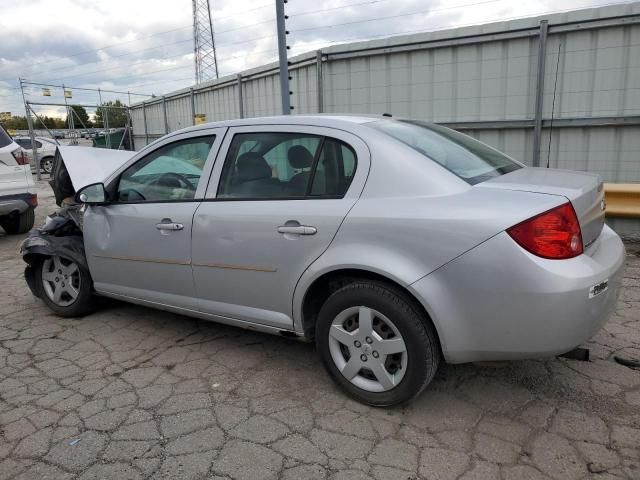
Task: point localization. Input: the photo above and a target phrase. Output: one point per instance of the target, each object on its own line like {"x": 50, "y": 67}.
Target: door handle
{"x": 169, "y": 226}
{"x": 297, "y": 229}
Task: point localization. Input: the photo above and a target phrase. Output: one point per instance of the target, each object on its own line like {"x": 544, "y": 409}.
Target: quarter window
{"x": 336, "y": 166}
{"x": 285, "y": 165}
{"x": 171, "y": 172}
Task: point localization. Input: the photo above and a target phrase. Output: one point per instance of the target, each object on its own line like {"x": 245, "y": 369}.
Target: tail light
{"x": 554, "y": 234}
{"x": 33, "y": 200}
{"x": 20, "y": 156}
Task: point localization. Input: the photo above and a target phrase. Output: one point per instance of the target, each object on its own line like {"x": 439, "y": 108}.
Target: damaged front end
{"x": 73, "y": 168}
{"x": 61, "y": 235}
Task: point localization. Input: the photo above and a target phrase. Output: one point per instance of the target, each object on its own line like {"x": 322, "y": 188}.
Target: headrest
{"x": 299, "y": 157}
{"x": 252, "y": 166}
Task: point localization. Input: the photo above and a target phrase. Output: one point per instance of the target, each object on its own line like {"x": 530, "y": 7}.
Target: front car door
{"x": 139, "y": 245}
{"x": 276, "y": 199}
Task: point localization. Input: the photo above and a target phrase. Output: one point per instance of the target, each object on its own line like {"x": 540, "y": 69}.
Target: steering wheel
{"x": 174, "y": 176}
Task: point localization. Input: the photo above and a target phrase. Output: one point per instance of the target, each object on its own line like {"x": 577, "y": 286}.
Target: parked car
{"x": 18, "y": 198}
{"x": 45, "y": 148}
{"x": 394, "y": 244}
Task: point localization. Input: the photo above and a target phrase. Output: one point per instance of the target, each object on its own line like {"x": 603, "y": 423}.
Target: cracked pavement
{"x": 131, "y": 393}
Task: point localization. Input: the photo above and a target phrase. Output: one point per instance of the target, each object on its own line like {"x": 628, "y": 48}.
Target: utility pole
{"x": 282, "y": 54}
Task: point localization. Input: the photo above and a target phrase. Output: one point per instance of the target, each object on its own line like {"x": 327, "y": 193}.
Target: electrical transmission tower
{"x": 204, "y": 47}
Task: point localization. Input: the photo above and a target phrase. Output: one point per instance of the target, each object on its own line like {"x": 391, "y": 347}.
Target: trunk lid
{"x": 584, "y": 190}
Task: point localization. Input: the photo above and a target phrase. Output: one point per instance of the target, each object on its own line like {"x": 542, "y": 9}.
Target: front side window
{"x": 469, "y": 159}
{"x": 172, "y": 172}
{"x": 286, "y": 165}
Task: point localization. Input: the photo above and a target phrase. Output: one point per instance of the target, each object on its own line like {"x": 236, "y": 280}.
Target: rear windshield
{"x": 469, "y": 159}
{"x": 5, "y": 139}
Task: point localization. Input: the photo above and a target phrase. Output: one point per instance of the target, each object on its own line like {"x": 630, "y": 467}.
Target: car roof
{"x": 318, "y": 120}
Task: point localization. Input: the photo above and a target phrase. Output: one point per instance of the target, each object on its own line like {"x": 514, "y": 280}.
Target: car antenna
{"x": 553, "y": 105}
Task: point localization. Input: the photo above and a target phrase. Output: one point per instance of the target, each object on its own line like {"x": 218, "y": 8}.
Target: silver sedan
{"x": 393, "y": 244}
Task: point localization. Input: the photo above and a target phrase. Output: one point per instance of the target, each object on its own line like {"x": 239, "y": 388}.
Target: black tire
{"x": 46, "y": 164}
{"x": 21, "y": 223}
{"x": 82, "y": 305}
{"x": 418, "y": 333}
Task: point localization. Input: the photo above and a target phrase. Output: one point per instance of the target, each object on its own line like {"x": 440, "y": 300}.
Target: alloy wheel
{"x": 61, "y": 280}
{"x": 368, "y": 349}
{"x": 47, "y": 165}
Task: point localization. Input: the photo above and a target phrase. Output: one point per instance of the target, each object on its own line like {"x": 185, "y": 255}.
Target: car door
{"x": 269, "y": 212}
{"x": 139, "y": 245}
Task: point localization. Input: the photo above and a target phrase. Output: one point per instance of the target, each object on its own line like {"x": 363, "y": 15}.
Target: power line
{"x": 242, "y": 55}
{"x": 84, "y": 52}
{"x": 144, "y": 49}
{"x": 444, "y": 27}
{"x": 376, "y": 19}
{"x": 84, "y": 74}
{"x": 121, "y": 55}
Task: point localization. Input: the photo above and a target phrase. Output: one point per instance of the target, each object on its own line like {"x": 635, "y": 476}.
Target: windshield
{"x": 469, "y": 159}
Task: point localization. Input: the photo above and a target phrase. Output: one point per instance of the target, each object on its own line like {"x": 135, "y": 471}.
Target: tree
{"x": 16, "y": 123}
{"x": 80, "y": 117}
{"x": 116, "y": 117}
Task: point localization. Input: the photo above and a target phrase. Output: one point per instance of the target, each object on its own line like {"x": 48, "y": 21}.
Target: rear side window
{"x": 469, "y": 159}
{"x": 5, "y": 139}
{"x": 270, "y": 165}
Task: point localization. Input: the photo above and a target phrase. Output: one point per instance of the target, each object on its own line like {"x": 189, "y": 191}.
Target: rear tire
{"x": 376, "y": 343}
{"x": 47, "y": 164}
{"x": 21, "y": 223}
{"x": 64, "y": 286}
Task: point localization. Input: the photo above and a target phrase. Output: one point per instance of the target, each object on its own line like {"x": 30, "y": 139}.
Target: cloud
{"x": 146, "y": 46}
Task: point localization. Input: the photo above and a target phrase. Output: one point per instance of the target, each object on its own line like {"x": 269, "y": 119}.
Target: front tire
{"x": 376, "y": 343}
{"x": 64, "y": 286}
{"x": 18, "y": 223}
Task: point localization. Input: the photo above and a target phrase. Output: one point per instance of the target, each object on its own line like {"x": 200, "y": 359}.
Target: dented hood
{"x": 76, "y": 167}
{"x": 87, "y": 165}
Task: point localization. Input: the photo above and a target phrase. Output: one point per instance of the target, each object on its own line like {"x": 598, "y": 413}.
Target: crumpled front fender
{"x": 39, "y": 244}
{"x": 61, "y": 235}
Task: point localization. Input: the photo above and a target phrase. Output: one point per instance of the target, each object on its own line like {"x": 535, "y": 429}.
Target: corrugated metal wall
{"x": 482, "y": 80}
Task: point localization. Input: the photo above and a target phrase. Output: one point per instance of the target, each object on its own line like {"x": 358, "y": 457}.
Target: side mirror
{"x": 93, "y": 194}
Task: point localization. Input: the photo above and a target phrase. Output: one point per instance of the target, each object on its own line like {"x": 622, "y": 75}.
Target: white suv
{"x": 18, "y": 197}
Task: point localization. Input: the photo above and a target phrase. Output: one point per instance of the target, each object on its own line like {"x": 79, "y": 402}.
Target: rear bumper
{"x": 18, "y": 203}
{"x": 499, "y": 302}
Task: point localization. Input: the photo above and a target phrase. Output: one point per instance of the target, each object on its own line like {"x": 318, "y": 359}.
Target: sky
{"x": 146, "y": 46}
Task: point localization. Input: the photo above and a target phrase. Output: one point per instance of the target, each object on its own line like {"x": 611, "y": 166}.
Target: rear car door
{"x": 139, "y": 246}
{"x": 277, "y": 197}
